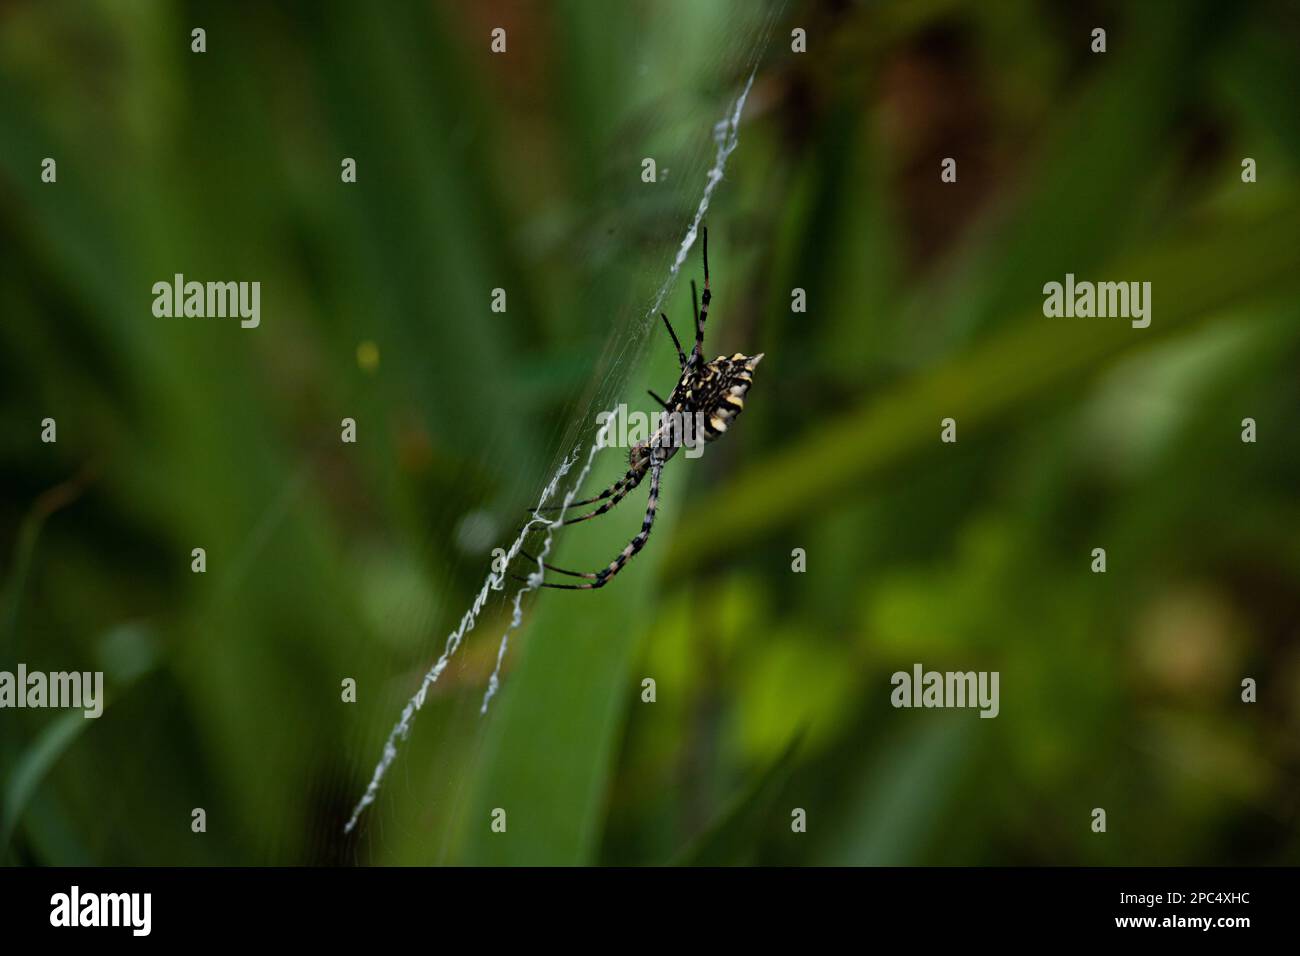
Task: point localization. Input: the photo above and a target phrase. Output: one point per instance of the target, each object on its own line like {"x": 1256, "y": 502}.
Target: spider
{"x": 711, "y": 393}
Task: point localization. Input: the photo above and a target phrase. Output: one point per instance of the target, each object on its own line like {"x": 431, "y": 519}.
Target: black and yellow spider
{"x": 711, "y": 393}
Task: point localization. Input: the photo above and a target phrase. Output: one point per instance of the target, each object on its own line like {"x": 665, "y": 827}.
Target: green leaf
{"x": 548, "y": 750}
{"x": 901, "y": 796}
{"x": 34, "y": 764}
{"x": 736, "y": 836}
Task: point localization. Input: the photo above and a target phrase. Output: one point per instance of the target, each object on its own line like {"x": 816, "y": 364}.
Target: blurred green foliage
{"x": 522, "y": 171}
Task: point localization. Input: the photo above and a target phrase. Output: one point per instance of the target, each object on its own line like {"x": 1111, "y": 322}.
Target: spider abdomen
{"x": 719, "y": 392}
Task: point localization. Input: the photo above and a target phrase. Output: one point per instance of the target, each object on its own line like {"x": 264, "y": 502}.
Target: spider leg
{"x": 611, "y": 490}
{"x": 602, "y": 577}
{"x": 681, "y": 357}
{"x": 566, "y": 587}
{"x": 658, "y": 399}
{"x": 551, "y": 567}
{"x": 704, "y": 301}
{"x": 611, "y": 496}
{"x": 629, "y": 481}
{"x": 695, "y": 301}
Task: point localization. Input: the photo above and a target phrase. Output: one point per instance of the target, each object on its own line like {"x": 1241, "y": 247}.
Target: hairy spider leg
{"x": 629, "y": 483}
{"x": 656, "y": 397}
{"x": 551, "y": 567}
{"x": 681, "y": 356}
{"x": 602, "y": 577}
{"x": 704, "y": 303}
{"x": 633, "y": 474}
{"x": 615, "y": 493}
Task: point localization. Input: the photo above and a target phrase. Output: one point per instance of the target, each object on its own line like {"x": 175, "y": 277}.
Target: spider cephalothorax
{"x": 707, "y": 398}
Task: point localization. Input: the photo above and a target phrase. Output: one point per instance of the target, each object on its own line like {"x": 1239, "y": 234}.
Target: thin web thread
{"x": 493, "y": 583}
{"x": 726, "y": 135}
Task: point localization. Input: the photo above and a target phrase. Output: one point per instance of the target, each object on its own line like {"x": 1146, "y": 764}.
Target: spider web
{"x": 621, "y": 358}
